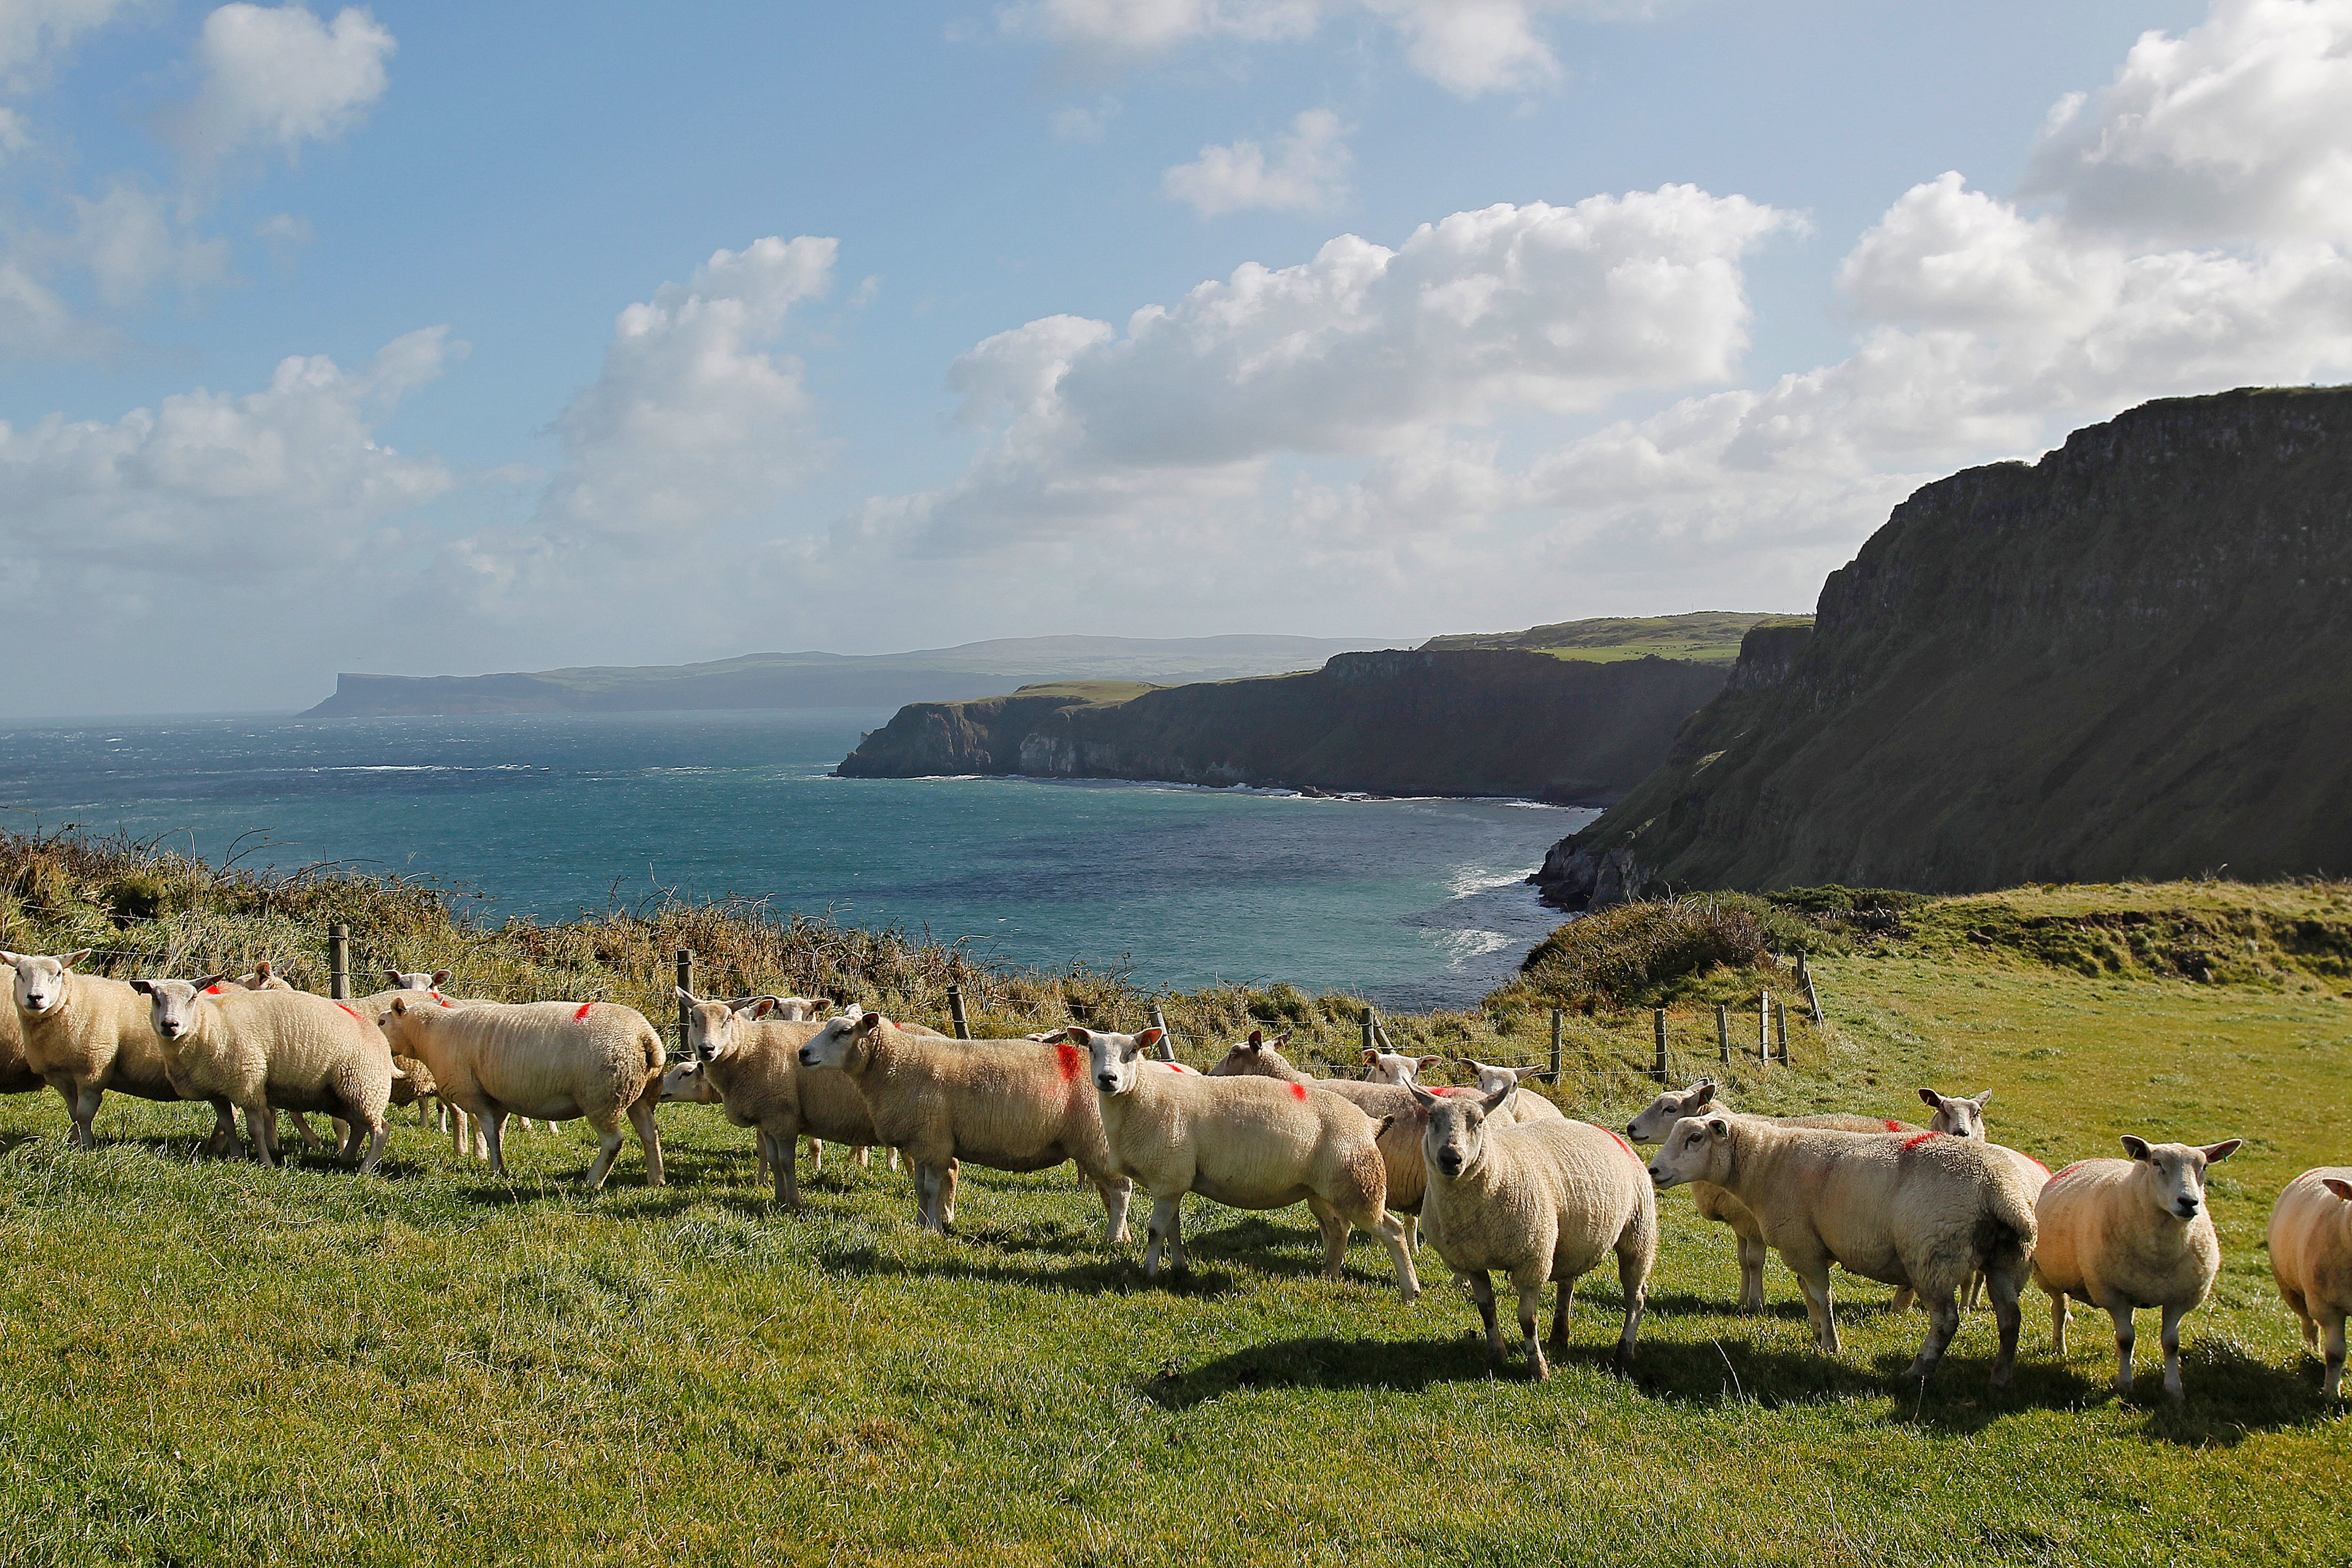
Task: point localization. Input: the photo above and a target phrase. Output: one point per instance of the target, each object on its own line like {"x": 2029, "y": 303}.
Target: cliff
{"x": 1418, "y": 722}
{"x": 2130, "y": 659}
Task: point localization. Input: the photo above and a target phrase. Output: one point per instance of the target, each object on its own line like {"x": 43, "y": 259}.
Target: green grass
{"x": 211, "y": 1363}
{"x": 1706, "y": 636}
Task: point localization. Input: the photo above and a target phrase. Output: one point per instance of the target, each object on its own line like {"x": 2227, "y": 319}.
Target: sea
{"x": 1414, "y": 904}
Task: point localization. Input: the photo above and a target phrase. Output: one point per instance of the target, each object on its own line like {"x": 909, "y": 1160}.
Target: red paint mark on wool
{"x": 1299, "y": 1091}
{"x": 582, "y": 1012}
{"x": 349, "y": 1009}
{"x": 2037, "y": 1165}
{"x": 215, "y": 990}
{"x": 1068, "y": 1063}
{"x": 1624, "y": 1145}
{"x": 439, "y": 997}
{"x": 1914, "y": 1142}
{"x": 1893, "y": 1127}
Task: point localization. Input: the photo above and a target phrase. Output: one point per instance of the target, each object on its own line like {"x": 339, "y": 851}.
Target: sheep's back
{"x": 2310, "y": 1239}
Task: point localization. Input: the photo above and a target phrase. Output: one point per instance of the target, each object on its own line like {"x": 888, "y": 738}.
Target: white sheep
{"x": 2125, "y": 1234}
{"x": 1922, "y": 1210}
{"x": 554, "y": 1061}
{"x": 749, "y": 1063}
{"x": 1007, "y": 1104}
{"x": 1244, "y": 1142}
{"x": 16, "y": 1074}
{"x": 1964, "y": 1118}
{"x": 2311, "y": 1258}
{"x": 1389, "y": 1067}
{"x": 1658, "y": 1118}
{"x": 262, "y": 976}
{"x": 1542, "y": 1201}
{"x": 1527, "y": 1107}
{"x": 260, "y": 1050}
{"x": 87, "y": 1035}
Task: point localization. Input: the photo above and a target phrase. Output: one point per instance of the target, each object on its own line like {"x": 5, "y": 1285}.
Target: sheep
{"x": 1008, "y": 1104}
{"x": 750, "y": 1064}
{"x": 1965, "y": 1119}
{"x": 1243, "y": 1142}
{"x": 1712, "y": 1202}
{"x": 262, "y": 978}
{"x": 2311, "y": 1258}
{"x": 85, "y": 1035}
{"x": 1921, "y": 1210}
{"x": 1388, "y": 1067}
{"x": 261, "y": 1050}
{"x": 2125, "y": 1234}
{"x": 16, "y": 1074}
{"x": 1540, "y": 1200}
{"x": 464, "y": 1135}
{"x": 1530, "y": 1107}
{"x": 556, "y": 1061}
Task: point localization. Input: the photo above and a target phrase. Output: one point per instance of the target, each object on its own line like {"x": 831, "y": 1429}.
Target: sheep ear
{"x": 1705, "y": 1093}
{"x": 1429, "y": 1062}
{"x": 688, "y": 997}
{"x": 1494, "y": 1102}
{"x": 209, "y": 981}
{"x": 144, "y": 988}
{"x": 1421, "y": 1097}
{"x": 1371, "y": 1055}
{"x": 823, "y": 1004}
{"x": 1282, "y": 1039}
{"x": 396, "y": 1072}
{"x": 2222, "y": 1150}
{"x": 2338, "y": 1185}
{"x": 1466, "y": 1062}
{"x": 440, "y": 978}
{"x": 2136, "y": 1147}
{"x": 1147, "y": 1039}
{"x": 1717, "y": 1127}
{"x": 1929, "y": 1096}
{"x": 261, "y": 970}
{"x": 1383, "y": 1130}
{"x": 393, "y": 975}
{"x": 763, "y": 1006}
{"x": 870, "y": 1021}
{"x": 1983, "y": 1100}
{"x": 72, "y": 959}
{"x": 1256, "y": 1041}
{"x": 399, "y": 1007}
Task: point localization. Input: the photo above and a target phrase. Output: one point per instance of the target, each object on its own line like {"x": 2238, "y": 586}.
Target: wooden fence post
{"x": 1764, "y": 1025}
{"x": 1812, "y": 999}
{"x": 1167, "y": 1040}
{"x": 339, "y": 962}
{"x": 1723, "y": 1031}
{"x": 1658, "y": 1028}
{"x": 1555, "y": 1045}
{"x": 685, "y": 1009}
{"x": 1782, "y": 1009}
{"x": 1371, "y": 1038}
{"x": 955, "y": 1012}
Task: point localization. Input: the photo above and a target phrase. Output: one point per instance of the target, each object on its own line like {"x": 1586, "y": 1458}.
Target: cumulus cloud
{"x": 693, "y": 419}
{"x": 2238, "y": 130}
{"x": 132, "y": 241}
{"x": 216, "y": 484}
{"x": 33, "y": 33}
{"x": 277, "y": 76}
{"x": 1469, "y": 48}
{"x": 1307, "y": 173}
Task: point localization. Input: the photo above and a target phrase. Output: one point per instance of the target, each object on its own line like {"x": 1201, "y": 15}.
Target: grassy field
{"x": 214, "y": 1364}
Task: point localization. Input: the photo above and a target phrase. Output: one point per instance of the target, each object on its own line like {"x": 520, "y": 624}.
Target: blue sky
{"x": 908, "y": 407}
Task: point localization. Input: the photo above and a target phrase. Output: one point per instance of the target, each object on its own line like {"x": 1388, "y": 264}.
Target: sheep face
{"x": 1116, "y": 1060}
{"x": 1251, "y": 1057}
{"x": 1698, "y": 1148}
{"x": 835, "y": 1045}
{"x": 417, "y": 979}
{"x": 710, "y": 1026}
{"x": 1390, "y": 1067}
{"x": 1491, "y": 1078}
{"x": 41, "y": 981}
{"x": 1960, "y": 1118}
{"x": 1655, "y": 1122}
{"x": 171, "y": 1004}
{"x": 686, "y": 1082}
{"x": 2178, "y": 1172}
{"x": 1454, "y": 1136}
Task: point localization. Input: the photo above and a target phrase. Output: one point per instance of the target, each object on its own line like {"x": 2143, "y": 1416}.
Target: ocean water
{"x": 1414, "y": 903}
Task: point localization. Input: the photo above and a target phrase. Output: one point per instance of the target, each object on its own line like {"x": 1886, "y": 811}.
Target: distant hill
{"x": 2130, "y": 659}
{"x": 834, "y": 680}
{"x": 1437, "y": 720}
{"x": 1709, "y": 636}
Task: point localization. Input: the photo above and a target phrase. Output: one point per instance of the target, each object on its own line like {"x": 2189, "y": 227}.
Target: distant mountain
{"x": 2130, "y": 659}
{"x": 1708, "y": 636}
{"x": 836, "y": 680}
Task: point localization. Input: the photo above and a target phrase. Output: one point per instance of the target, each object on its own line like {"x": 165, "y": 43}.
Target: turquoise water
{"x": 1415, "y": 903}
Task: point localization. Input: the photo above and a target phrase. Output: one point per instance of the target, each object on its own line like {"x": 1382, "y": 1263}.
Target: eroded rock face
{"x": 2131, "y": 659}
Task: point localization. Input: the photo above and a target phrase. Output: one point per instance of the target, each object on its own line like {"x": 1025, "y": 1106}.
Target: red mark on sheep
{"x": 1892, "y": 1125}
{"x": 2037, "y": 1165}
{"x": 582, "y": 1012}
{"x": 349, "y": 1009}
{"x": 1624, "y": 1145}
{"x": 439, "y": 997}
{"x": 1299, "y": 1091}
{"x": 215, "y": 990}
{"x": 1067, "y": 1061}
{"x": 1912, "y": 1142}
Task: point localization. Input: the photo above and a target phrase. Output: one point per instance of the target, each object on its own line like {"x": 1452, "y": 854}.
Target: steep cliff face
{"x": 1412, "y": 722}
{"x": 2131, "y": 659}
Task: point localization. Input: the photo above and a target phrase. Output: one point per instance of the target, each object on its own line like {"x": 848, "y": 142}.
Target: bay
{"x": 1414, "y": 904}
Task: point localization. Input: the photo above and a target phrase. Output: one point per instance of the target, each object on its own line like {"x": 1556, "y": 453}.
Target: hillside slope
{"x": 832, "y": 680}
{"x": 2132, "y": 659}
{"x": 1471, "y": 722}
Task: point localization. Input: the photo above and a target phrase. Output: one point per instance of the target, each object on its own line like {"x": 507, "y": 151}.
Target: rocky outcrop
{"x": 2131, "y": 659}
{"x": 1402, "y": 722}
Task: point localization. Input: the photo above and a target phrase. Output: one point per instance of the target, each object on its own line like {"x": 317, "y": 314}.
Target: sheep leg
{"x": 2331, "y": 1382}
{"x": 2005, "y": 1288}
{"x": 263, "y": 1126}
{"x": 420, "y": 1114}
{"x": 1563, "y": 1303}
{"x": 865, "y": 1158}
{"x": 1815, "y": 1281}
{"x": 1162, "y": 1229}
{"x": 491, "y": 1132}
{"x": 1530, "y": 1315}
{"x": 894, "y": 1159}
{"x": 2058, "y": 1323}
{"x": 83, "y": 1108}
{"x": 1943, "y": 1322}
{"x": 1976, "y": 1290}
{"x": 223, "y": 1139}
{"x": 816, "y": 1156}
{"x": 1482, "y": 1291}
{"x": 947, "y": 1195}
{"x": 1634, "y": 1282}
{"x": 1752, "y": 1253}
{"x": 2170, "y": 1333}
{"x": 343, "y": 1128}
{"x": 1903, "y": 1300}
{"x": 608, "y": 1149}
{"x": 641, "y": 1117}
{"x": 1117, "y": 1192}
{"x": 782, "y": 1150}
{"x": 1335, "y": 1236}
{"x": 1395, "y": 1231}
{"x": 930, "y": 1187}
{"x": 762, "y": 1163}
{"x": 310, "y": 1138}
{"x": 2125, "y": 1335}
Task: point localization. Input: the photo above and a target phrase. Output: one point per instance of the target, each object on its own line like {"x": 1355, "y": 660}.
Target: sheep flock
{"x": 1491, "y": 1178}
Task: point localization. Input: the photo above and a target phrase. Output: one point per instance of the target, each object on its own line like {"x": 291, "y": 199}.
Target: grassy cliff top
{"x": 1705, "y": 636}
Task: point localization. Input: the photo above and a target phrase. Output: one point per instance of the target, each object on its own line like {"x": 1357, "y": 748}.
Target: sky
{"x": 441, "y": 339}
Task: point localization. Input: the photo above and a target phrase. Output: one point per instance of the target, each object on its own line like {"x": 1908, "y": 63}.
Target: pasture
{"x": 211, "y": 1363}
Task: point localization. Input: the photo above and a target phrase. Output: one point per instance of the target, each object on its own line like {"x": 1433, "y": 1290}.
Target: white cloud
{"x": 693, "y": 420}
{"x": 131, "y": 242}
{"x": 213, "y": 485}
{"x": 1085, "y": 123}
{"x": 13, "y": 136}
{"x": 1309, "y": 173}
{"x": 2238, "y": 130}
{"x": 1468, "y": 46}
{"x": 33, "y": 32}
{"x": 278, "y": 76}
